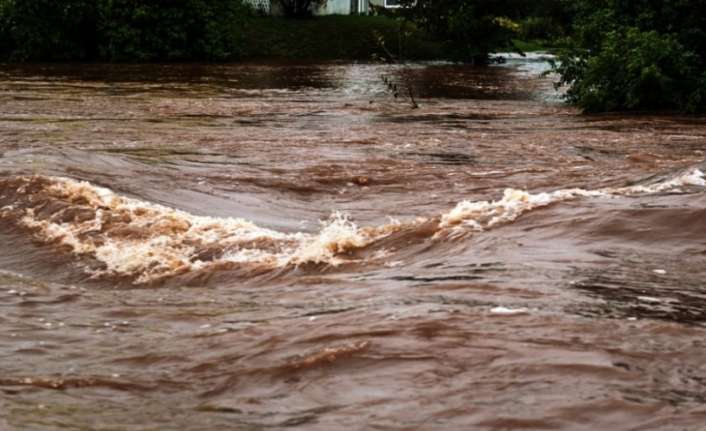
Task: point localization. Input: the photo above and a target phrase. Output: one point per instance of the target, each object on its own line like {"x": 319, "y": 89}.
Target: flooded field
{"x": 258, "y": 246}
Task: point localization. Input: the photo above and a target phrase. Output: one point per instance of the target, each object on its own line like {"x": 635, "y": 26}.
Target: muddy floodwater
{"x": 262, "y": 246}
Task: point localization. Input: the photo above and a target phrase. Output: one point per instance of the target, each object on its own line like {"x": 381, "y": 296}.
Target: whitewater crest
{"x": 483, "y": 215}
{"x": 146, "y": 242}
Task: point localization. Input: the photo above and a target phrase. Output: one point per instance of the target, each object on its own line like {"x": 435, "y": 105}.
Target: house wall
{"x": 344, "y": 7}
{"x": 335, "y": 7}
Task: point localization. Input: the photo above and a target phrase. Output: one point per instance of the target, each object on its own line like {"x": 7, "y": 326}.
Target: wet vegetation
{"x": 636, "y": 55}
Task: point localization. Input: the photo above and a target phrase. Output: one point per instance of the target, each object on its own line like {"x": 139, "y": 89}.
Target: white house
{"x": 333, "y": 7}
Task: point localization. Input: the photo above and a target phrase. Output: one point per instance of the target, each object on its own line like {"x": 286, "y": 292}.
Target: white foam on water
{"x": 148, "y": 242}
{"x": 337, "y": 236}
{"x": 483, "y": 215}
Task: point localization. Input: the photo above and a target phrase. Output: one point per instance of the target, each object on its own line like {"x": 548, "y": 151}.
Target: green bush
{"x": 5, "y": 36}
{"x": 48, "y": 29}
{"x": 329, "y": 38}
{"x": 637, "y": 55}
{"x": 177, "y": 30}
{"x": 539, "y": 27}
{"x": 471, "y": 29}
{"x": 633, "y": 70}
{"x": 121, "y": 29}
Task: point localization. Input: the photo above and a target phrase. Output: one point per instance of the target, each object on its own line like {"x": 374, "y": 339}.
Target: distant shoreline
{"x": 261, "y": 38}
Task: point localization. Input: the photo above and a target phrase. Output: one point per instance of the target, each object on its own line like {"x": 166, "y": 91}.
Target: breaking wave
{"x": 146, "y": 242}
{"x": 482, "y": 215}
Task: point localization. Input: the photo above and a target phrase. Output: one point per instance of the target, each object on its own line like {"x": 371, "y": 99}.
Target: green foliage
{"x": 120, "y": 29}
{"x": 539, "y": 28}
{"x": 534, "y": 45}
{"x": 636, "y": 55}
{"x": 184, "y": 30}
{"x": 5, "y": 35}
{"x": 546, "y": 20}
{"x": 471, "y": 29}
{"x": 331, "y": 37}
{"x": 48, "y": 29}
{"x": 178, "y": 30}
{"x": 222, "y": 30}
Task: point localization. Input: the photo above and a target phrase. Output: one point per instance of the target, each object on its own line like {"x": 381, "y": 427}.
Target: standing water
{"x": 259, "y": 245}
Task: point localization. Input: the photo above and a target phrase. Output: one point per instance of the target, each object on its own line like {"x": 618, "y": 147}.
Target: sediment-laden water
{"x": 265, "y": 246}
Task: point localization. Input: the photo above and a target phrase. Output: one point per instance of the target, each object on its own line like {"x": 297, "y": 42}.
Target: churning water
{"x": 267, "y": 245}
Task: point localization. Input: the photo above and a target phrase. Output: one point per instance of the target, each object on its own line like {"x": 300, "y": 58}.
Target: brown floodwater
{"x": 257, "y": 246}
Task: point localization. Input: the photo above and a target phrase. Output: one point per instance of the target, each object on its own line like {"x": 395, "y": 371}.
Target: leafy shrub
{"x": 5, "y": 36}
{"x": 539, "y": 27}
{"x": 471, "y": 29}
{"x": 48, "y": 29}
{"x": 178, "y": 30}
{"x": 121, "y": 29}
{"x": 636, "y": 55}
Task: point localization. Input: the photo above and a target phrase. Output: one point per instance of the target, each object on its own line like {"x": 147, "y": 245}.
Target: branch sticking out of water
{"x": 404, "y": 86}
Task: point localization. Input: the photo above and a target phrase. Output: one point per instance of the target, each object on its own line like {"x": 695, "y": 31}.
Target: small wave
{"x": 146, "y": 242}
{"x": 483, "y": 215}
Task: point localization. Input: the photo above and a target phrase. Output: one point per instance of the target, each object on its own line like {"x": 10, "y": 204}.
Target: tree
{"x": 546, "y": 19}
{"x": 120, "y": 29}
{"x": 636, "y": 55}
{"x": 471, "y": 29}
{"x": 49, "y": 29}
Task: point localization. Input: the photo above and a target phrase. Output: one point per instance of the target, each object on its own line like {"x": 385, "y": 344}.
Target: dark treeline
{"x": 120, "y": 30}
{"x": 472, "y": 29}
{"x": 612, "y": 54}
{"x": 190, "y": 30}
